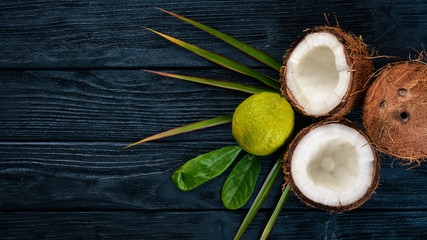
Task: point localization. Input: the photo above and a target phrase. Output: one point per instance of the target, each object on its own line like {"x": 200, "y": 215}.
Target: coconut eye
{"x": 383, "y": 104}
{"x": 404, "y": 116}
{"x": 402, "y": 92}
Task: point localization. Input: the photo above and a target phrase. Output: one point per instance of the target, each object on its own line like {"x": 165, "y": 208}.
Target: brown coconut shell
{"x": 287, "y": 167}
{"x": 395, "y": 108}
{"x": 360, "y": 64}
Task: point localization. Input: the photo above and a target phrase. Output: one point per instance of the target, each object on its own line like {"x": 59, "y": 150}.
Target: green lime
{"x": 262, "y": 123}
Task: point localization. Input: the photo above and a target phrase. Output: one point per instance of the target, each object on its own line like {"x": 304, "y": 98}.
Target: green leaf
{"x": 251, "y": 51}
{"x": 223, "y": 61}
{"x": 240, "y": 184}
{"x": 279, "y": 206}
{"x": 204, "y": 168}
{"x": 188, "y": 128}
{"x": 264, "y": 191}
{"x": 218, "y": 83}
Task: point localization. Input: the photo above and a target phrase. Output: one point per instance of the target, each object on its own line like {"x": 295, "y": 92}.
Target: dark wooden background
{"x": 72, "y": 95}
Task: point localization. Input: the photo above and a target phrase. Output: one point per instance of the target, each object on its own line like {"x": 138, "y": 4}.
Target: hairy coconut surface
{"x": 330, "y": 165}
{"x": 325, "y": 71}
{"x": 395, "y": 111}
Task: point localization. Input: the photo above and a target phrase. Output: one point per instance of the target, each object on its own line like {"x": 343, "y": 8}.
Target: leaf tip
{"x": 136, "y": 143}
{"x": 170, "y": 13}
{"x": 159, "y": 9}
{"x": 128, "y": 146}
{"x": 146, "y": 70}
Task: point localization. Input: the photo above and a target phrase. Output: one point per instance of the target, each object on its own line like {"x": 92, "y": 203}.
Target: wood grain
{"x": 210, "y": 225}
{"x": 110, "y": 105}
{"x": 70, "y": 176}
{"x": 70, "y": 34}
{"x": 115, "y": 105}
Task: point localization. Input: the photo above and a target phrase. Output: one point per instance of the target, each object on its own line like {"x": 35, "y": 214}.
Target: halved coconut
{"x": 325, "y": 71}
{"x": 331, "y": 165}
{"x": 395, "y": 111}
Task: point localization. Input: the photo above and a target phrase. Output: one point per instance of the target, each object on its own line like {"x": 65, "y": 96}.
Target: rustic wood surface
{"x": 72, "y": 95}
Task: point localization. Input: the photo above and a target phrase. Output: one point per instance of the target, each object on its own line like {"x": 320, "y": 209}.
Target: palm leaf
{"x": 188, "y": 128}
{"x": 223, "y": 61}
{"x": 218, "y": 83}
{"x": 276, "y": 212}
{"x": 262, "y": 194}
{"x": 251, "y": 51}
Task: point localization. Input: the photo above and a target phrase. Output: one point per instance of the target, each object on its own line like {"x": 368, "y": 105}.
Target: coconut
{"x": 394, "y": 110}
{"x": 330, "y": 165}
{"x": 325, "y": 71}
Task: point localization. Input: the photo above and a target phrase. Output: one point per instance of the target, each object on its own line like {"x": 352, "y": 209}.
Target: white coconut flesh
{"x": 317, "y": 73}
{"x": 333, "y": 165}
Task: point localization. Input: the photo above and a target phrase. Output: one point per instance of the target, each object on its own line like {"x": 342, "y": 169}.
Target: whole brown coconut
{"x": 395, "y": 108}
{"x": 325, "y": 72}
{"x": 331, "y": 165}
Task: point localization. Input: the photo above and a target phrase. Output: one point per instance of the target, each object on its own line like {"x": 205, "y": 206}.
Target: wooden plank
{"x": 100, "y": 176}
{"x": 210, "y": 225}
{"x": 64, "y": 34}
{"x": 112, "y": 105}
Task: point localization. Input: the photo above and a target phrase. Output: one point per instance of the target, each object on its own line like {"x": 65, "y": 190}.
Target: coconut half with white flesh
{"x": 325, "y": 72}
{"x": 331, "y": 165}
